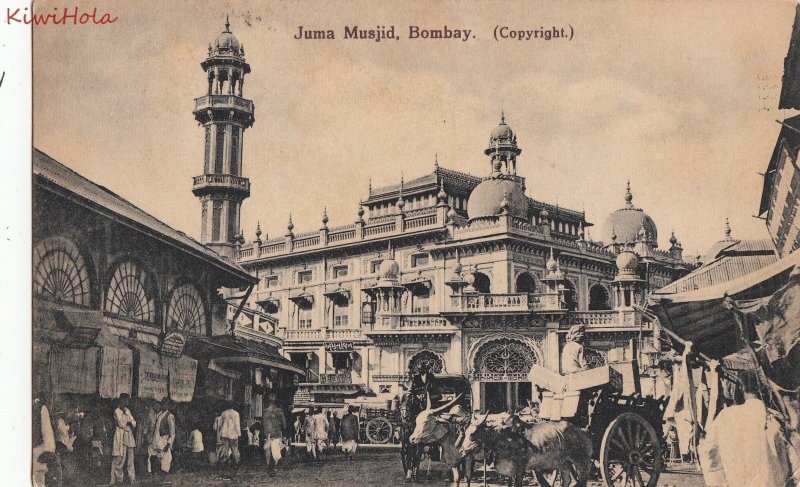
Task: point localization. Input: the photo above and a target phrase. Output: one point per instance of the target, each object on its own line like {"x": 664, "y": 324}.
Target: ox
{"x": 433, "y": 427}
{"x": 542, "y": 447}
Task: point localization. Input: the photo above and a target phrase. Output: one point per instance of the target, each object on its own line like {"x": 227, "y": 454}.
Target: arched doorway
{"x": 599, "y": 298}
{"x": 570, "y": 296}
{"x": 525, "y": 283}
{"x": 482, "y": 283}
{"x": 426, "y": 361}
{"x": 502, "y": 365}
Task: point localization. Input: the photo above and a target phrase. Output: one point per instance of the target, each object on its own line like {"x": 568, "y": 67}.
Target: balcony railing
{"x": 506, "y": 302}
{"x": 223, "y": 101}
{"x": 608, "y": 318}
{"x": 410, "y": 322}
{"x": 323, "y": 334}
{"x": 221, "y": 181}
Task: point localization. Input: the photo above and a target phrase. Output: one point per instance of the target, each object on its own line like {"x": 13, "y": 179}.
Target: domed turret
{"x": 627, "y": 265}
{"x": 629, "y": 224}
{"x": 227, "y": 43}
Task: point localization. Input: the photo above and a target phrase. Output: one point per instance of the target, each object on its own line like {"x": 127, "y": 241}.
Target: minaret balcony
{"x": 207, "y": 183}
{"x": 223, "y": 102}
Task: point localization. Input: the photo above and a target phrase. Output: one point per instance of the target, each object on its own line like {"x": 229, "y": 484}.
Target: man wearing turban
{"x": 572, "y": 356}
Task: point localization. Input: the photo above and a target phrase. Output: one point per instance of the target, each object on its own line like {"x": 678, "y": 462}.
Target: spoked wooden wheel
{"x": 630, "y": 453}
{"x": 379, "y": 430}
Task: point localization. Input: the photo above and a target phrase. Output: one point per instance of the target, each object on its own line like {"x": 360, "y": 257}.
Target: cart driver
{"x": 572, "y": 356}
{"x": 422, "y": 384}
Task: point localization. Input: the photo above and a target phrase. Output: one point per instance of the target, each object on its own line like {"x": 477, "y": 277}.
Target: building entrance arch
{"x": 500, "y": 365}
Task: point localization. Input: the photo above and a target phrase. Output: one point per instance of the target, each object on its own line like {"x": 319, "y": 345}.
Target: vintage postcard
{"x": 350, "y": 242}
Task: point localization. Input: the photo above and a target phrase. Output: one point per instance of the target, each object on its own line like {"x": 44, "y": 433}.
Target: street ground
{"x": 371, "y": 467}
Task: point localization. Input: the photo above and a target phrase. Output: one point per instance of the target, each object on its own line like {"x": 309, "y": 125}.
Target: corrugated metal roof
{"x": 48, "y": 168}
{"x": 727, "y": 260}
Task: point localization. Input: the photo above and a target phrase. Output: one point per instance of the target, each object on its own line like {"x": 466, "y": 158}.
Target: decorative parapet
{"x": 523, "y": 302}
{"x": 624, "y": 318}
{"x": 323, "y": 334}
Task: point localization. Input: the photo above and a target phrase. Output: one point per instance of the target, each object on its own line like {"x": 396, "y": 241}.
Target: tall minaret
{"x": 224, "y": 115}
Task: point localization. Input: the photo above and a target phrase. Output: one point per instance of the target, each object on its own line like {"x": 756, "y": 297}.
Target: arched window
{"x": 525, "y": 283}
{"x": 186, "y": 311}
{"x": 598, "y": 298}
{"x": 571, "y": 296}
{"x": 60, "y": 273}
{"x": 482, "y": 283}
{"x": 129, "y": 293}
{"x": 426, "y": 361}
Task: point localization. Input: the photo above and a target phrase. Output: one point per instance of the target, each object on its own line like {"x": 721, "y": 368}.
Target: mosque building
{"x": 465, "y": 275}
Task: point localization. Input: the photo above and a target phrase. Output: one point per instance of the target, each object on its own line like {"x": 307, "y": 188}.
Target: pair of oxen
{"x": 515, "y": 445}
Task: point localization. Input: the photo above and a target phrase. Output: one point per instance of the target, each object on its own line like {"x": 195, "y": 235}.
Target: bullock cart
{"x": 624, "y": 426}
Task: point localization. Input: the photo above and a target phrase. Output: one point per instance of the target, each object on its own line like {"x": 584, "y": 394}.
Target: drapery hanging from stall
{"x": 73, "y": 370}
{"x": 182, "y": 372}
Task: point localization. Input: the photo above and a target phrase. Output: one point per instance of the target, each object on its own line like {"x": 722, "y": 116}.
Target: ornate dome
{"x": 627, "y": 223}
{"x": 502, "y": 133}
{"x": 487, "y": 199}
{"x": 227, "y": 41}
{"x": 389, "y": 269}
{"x": 627, "y": 262}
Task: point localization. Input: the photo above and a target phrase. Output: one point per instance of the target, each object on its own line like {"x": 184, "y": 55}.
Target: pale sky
{"x": 670, "y": 95}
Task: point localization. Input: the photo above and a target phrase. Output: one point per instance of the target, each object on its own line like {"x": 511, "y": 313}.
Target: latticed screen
{"x": 220, "y": 148}
{"x": 60, "y": 273}
{"x": 504, "y": 359}
{"x": 232, "y": 226}
{"x": 426, "y": 361}
{"x": 186, "y": 311}
{"x": 207, "y": 157}
{"x": 204, "y": 219}
{"x": 128, "y": 293}
{"x": 216, "y": 220}
{"x": 235, "y": 151}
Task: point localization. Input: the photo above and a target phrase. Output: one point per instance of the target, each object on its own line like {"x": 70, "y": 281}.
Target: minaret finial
{"x": 325, "y": 215}
{"x": 370, "y": 186}
{"x": 436, "y": 160}
{"x": 502, "y": 116}
{"x": 628, "y": 195}
{"x": 727, "y": 229}
{"x": 227, "y": 23}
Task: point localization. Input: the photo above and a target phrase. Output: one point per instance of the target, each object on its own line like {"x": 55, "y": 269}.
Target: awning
{"x": 338, "y": 293}
{"x": 270, "y": 304}
{"x": 417, "y": 283}
{"x": 304, "y": 299}
{"x": 67, "y": 325}
{"x": 226, "y": 349}
{"x": 706, "y": 319}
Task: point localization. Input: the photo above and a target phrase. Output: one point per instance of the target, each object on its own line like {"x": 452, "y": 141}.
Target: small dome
{"x": 552, "y": 265}
{"x": 627, "y": 262}
{"x": 487, "y": 199}
{"x": 458, "y": 268}
{"x": 227, "y": 41}
{"x": 502, "y": 133}
{"x": 629, "y": 224}
{"x": 389, "y": 269}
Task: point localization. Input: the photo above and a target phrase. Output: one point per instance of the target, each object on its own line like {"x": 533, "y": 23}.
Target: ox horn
{"x": 481, "y": 422}
{"x": 430, "y": 405}
{"x": 442, "y": 408}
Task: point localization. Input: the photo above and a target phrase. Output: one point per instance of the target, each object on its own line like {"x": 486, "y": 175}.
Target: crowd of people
{"x": 115, "y": 443}
{"x": 323, "y": 431}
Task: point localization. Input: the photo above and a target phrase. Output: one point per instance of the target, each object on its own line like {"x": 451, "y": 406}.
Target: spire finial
{"x": 727, "y": 229}
{"x": 325, "y": 215}
{"x": 258, "y": 229}
{"x": 290, "y": 225}
{"x": 436, "y": 160}
{"x": 502, "y": 116}
{"x": 227, "y": 24}
{"x": 628, "y": 195}
{"x": 370, "y": 186}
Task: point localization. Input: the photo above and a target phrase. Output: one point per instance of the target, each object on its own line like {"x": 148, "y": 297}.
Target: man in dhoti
{"x": 572, "y": 356}
{"x": 349, "y": 433}
{"x": 124, "y": 442}
{"x": 321, "y": 433}
{"x": 162, "y": 439}
{"x": 273, "y": 426}
{"x": 311, "y": 435}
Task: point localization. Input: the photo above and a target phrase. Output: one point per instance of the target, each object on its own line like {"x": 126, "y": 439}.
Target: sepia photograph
{"x": 344, "y": 243}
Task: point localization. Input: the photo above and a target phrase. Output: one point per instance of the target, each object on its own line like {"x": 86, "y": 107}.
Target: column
{"x": 552, "y": 352}
{"x": 477, "y": 398}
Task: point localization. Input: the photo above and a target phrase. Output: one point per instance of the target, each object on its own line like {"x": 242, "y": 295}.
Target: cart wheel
{"x": 379, "y": 430}
{"x": 630, "y": 453}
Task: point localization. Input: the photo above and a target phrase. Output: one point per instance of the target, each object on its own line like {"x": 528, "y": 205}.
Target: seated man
{"x": 572, "y": 356}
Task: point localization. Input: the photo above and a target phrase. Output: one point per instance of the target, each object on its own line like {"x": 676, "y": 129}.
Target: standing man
{"x": 162, "y": 439}
{"x": 124, "y": 442}
{"x": 572, "y": 356}
{"x": 349, "y": 430}
{"x": 230, "y": 429}
{"x": 311, "y": 435}
{"x": 273, "y": 424}
{"x": 321, "y": 435}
